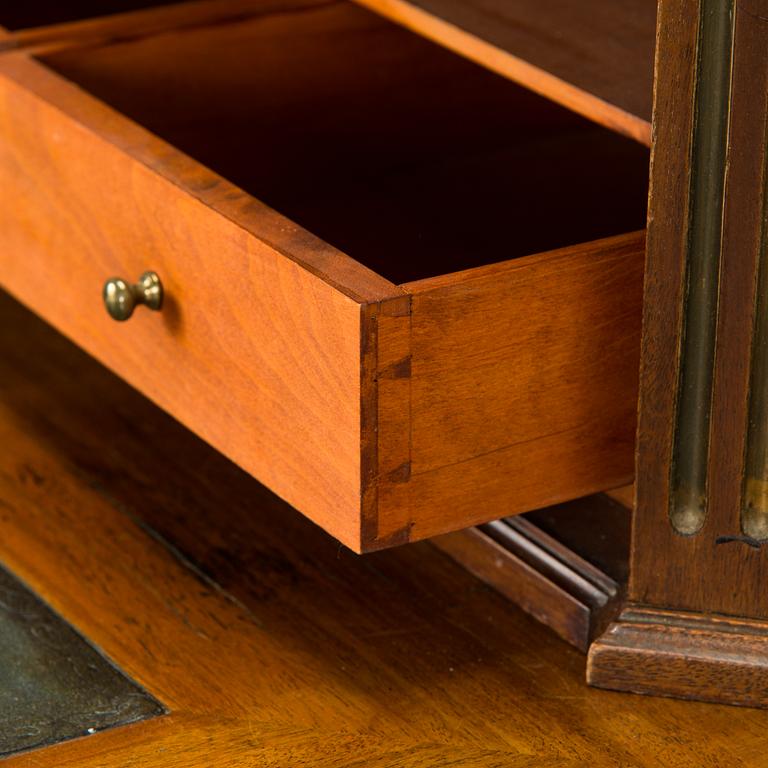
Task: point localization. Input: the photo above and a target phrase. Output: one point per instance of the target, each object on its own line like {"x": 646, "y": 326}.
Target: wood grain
{"x": 271, "y": 645}
{"x": 335, "y": 387}
{"x": 739, "y": 576}
{"x": 595, "y": 58}
{"x": 720, "y": 575}
{"x": 625, "y": 495}
{"x": 523, "y": 386}
{"x": 667, "y": 242}
{"x": 536, "y": 571}
{"x": 254, "y": 349}
{"x": 699, "y": 631}
{"x": 349, "y": 129}
{"x": 688, "y": 656}
{"x": 596, "y": 61}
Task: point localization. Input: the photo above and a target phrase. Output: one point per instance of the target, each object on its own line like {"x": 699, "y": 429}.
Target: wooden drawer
{"x": 475, "y": 354}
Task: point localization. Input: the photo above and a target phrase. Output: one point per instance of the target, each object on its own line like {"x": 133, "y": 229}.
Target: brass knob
{"x": 120, "y": 298}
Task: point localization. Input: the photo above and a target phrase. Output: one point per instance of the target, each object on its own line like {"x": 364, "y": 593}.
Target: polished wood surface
{"x": 559, "y": 585}
{"x": 523, "y": 388}
{"x": 624, "y": 495}
{"x": 695, "y": 623}
{"x": 596, "y": 60}
{"x": 594, "y": 57}
{"x": 405, "y": 156}
{"x": 567, "y": 565}
{"x": 271, "y": 644}
{"x": 252, "y": 349}
{"x": 385, "y": 413}
{"x": 685, "y": 655}
{"x": 718, "y": 576}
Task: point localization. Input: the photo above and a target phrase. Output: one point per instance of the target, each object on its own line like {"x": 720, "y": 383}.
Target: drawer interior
{"x": 409, "y": 158}
{"x": 36, "y": 13}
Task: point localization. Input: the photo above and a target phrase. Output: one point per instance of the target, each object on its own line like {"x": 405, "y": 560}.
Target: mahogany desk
{"x": 396, "y": 260}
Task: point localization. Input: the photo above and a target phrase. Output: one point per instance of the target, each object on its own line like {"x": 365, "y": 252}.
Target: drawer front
{"x": 251, "y": 350}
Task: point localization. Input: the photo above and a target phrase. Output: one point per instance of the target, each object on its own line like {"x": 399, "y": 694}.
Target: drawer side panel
{"x": 523, "y": 387}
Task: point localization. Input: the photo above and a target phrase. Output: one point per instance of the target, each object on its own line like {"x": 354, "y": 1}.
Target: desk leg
{"x": 696, "y": 621}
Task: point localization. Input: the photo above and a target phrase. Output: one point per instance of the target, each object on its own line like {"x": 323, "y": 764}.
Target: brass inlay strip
{"x": 754, "y": 511}
{"x": 688, "y": 498}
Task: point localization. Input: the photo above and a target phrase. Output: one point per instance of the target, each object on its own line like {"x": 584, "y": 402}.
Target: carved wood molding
{"x": 684, "y": 655}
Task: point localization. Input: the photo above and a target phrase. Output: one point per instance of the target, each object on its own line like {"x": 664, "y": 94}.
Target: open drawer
{"x": 474, "y": 355}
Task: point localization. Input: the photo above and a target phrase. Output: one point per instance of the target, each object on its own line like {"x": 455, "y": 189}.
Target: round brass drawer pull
{"x": 120, "y": 298}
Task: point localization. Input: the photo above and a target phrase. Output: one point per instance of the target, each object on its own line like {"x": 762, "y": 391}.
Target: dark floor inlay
{"x": 53, "y": 684}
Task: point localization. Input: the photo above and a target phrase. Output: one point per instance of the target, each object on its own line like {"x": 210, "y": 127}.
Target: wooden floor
{"x": 270, "y": 644}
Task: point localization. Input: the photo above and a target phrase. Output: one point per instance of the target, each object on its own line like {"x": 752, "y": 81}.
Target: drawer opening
{"x": 407, "y": 157}
{"x": 37, "y": 13}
